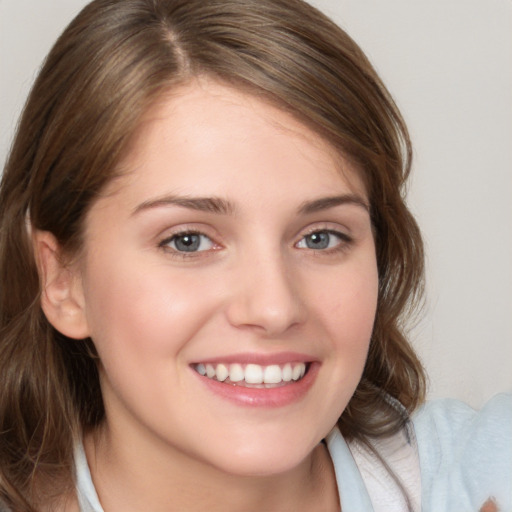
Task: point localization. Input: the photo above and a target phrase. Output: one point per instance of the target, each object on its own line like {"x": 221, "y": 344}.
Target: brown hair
{"x": 109, "y": 66}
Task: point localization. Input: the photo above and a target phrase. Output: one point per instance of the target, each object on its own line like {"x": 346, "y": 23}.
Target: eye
{"x": 321, "y": 240}
{"x": 188, "y": 242}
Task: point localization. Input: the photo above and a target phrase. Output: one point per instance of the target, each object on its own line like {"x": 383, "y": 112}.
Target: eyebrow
{"x": 203, "y": 204}
{"x": 223, "y": 207}
{"x": 325, "y": 203}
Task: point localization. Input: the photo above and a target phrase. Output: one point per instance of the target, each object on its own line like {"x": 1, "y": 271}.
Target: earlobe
{"x": 62, "y": 297}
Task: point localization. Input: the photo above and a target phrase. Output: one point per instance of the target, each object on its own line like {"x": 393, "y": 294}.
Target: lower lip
{"x": 263, "y": 397}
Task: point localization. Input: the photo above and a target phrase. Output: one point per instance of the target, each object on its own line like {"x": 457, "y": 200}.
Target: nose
{"x": 266, "y": 297}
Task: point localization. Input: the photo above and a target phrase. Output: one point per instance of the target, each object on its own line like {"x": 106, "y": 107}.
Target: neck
{"x": 129, "y": 477}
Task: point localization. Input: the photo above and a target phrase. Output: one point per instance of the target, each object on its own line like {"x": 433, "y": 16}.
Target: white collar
{"x": 88, "y": 500}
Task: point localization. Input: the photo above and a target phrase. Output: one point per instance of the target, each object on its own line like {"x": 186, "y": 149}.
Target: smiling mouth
{"x": 253, "y": 375}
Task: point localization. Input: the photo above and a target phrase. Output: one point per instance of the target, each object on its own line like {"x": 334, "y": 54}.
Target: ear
{"x": 62, "y": 297}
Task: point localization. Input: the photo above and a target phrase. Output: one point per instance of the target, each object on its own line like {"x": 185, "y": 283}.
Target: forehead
{"x": 208, "y": 137}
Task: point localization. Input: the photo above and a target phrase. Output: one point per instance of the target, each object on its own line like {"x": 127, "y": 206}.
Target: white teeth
{"x": 236, "y": 373}
{"x": 287, "y": 372}
{"x": 210, "y": 371}
{"x": 222, "y": 372}
{"x": 296, "y": 372}
{"x": 253, "y": 373}
{"x": 272, "y": 374}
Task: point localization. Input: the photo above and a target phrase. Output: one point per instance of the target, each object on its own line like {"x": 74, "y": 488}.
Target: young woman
{"x": 206, "y": 265}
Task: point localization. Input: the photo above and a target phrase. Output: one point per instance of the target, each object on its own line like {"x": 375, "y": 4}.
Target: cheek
{"x": 347, "y": 312}
{"x": 140, "y": 311}
{"x": 349, "y": 306}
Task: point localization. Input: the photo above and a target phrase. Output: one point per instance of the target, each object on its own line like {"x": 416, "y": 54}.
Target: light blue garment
{"x": 465, "y": 458}
{"x": 351, "y": 488}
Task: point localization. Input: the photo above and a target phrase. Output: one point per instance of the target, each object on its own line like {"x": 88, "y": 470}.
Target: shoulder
{"x": 446, "y": 429}
{"x": 454, "y": 413}
{"x": 465, "y": 455}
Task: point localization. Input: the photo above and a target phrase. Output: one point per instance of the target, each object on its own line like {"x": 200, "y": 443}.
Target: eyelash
{"x": 164, "y": 244}
{"x": 344, "y": 242}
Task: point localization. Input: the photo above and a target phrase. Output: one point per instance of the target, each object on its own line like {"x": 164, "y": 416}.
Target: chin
{"x": 258, "y": 466}
{"x": 265, "y": 455}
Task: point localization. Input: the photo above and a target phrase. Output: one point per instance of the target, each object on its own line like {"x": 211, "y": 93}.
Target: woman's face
{"x": 229, "y": 284}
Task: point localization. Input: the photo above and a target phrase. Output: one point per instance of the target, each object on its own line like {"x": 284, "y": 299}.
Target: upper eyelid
{"x": 218, "y": 239}
{"x": 169, "y": 238}
{"x": 344, "y": 238}
{"x": 164, "y": 245}
{"x": 331, "y": 227}
{"x": 344, "y": 242}
{"x": 184, "y": 230}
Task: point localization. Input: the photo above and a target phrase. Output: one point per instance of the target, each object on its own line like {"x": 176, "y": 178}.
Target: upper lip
{"x": 260, "y": 359}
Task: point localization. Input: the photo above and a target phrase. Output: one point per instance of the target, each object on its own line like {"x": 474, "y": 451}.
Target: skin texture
{"x": 489, "y": 506}
{"x": 254, "y": 289}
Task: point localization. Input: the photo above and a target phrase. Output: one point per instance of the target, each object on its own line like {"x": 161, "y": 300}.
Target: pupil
{"x": 317, "y": 241}
{"x": 187, "y": 243}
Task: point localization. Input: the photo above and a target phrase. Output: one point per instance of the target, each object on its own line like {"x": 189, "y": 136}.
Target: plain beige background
{"x": 448, "y": 64}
